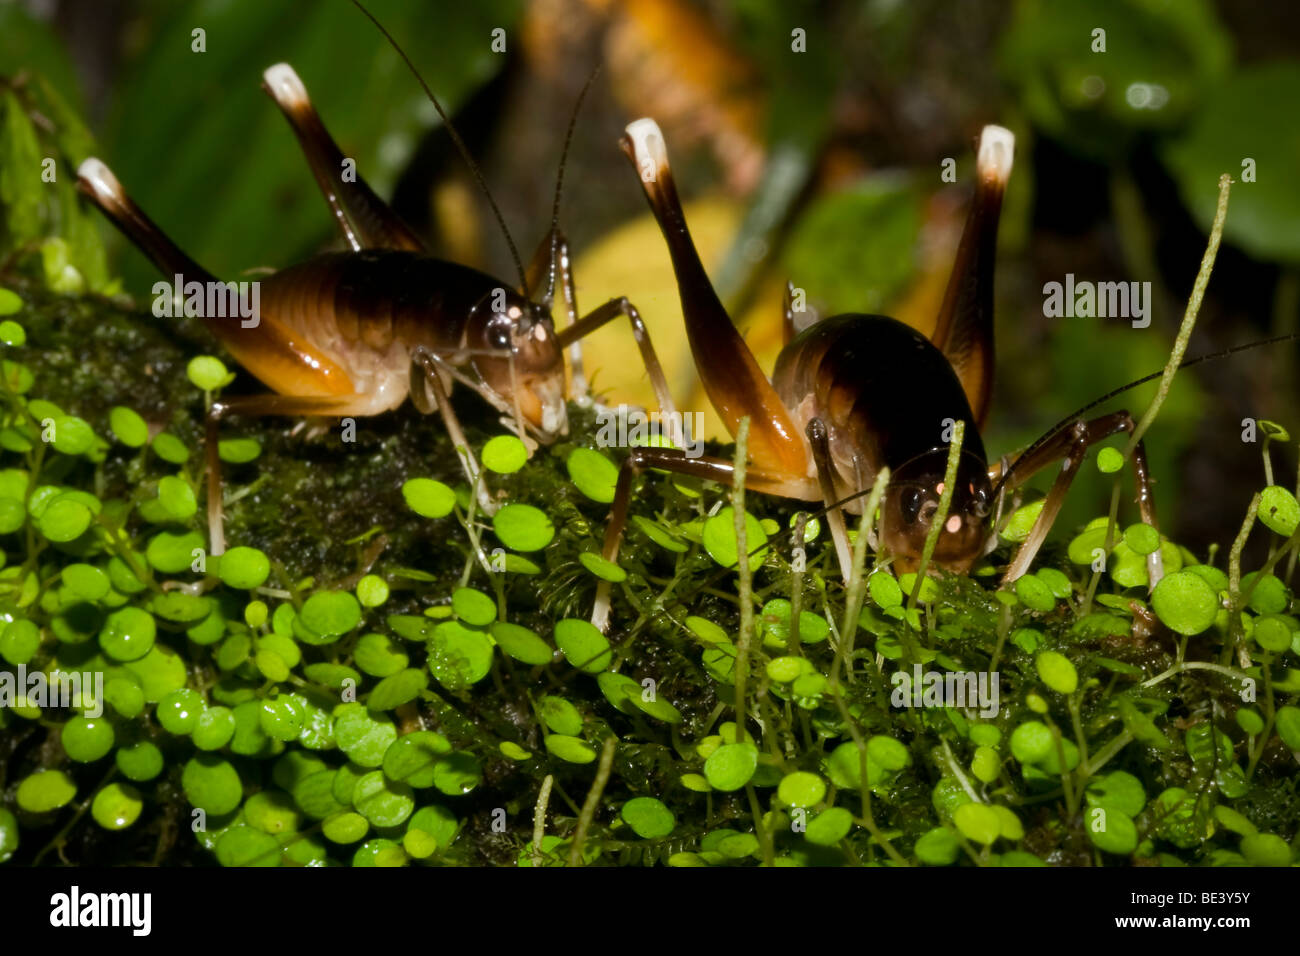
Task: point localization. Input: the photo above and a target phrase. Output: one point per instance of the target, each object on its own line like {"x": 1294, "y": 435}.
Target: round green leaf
{"x": 140, "y": 761}
{"x": 520, "y": 643}
{"x": 1265, "y": 849}
{"x": 372, "y": 590}
{"x": 1057, "y": 672}
{"x": 457, "y": 774}
{"x": 177, "y": 498}
{"x": 1111, "y": 830}
{"x": 582, "y": 645}
{"x": 117, "y": 806}
{"x": 397, "y": 689}
{"x": 87, "y": 739}
{"x": 1034, "y": 594}
{"x": 385, "y": 803}
{"x": 605, "y": 570}
{"x": 504, "y": 454}
{"x": 459, "y": 656}
{"x": 247, "y": 846}
{"x": 570, "y": 749}
{"x": 719, "y": 537}
{"x": 329, "y": 614}
{"x": 1279, "y": 511}
{"x": 128, "y": 426}
{"x": 238, "y": 451}
{"x": 179, "y": 711}
{"x": 937, "y": 847}
{"x": 363, "y": 736}
{"x": 593, "y": 474}
{"x": 244, "y": 568}
{"x": 801, "y": 789}
{"x": 523, "y": 527}
{"x": 649, "y": 818}
{"x": 215, "y": 727}
{"x": 1109, "y": 460}
{"x": 829, "y": 827}
{"x": 1288, "y": 726}
{"x": 1031, "y": 742}
{"x": 211, "y": 784}
{"x": 731, "y": 766}
{"x": 346, "y": 827}
{"x": 207, "y": 372}
{"x": 1185, "y": 602}
{"x": 428, "y": 498}
{"x": 977, "y": 822}
{"x": 412, "y": 758}
{"x": 45, "y": 790}
{"x": 474, "y": 607}
{"x": 170, "y": 448}
{"x": 128, "y": 634}
{"x": 172, "y": 553}
{"x": 65, "y": 519}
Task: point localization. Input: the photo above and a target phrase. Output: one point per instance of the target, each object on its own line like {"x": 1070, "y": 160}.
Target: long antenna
{"x": 1074, "y": 416}
{"x": 559, "y": 179}
{"x": 455, "y": 138}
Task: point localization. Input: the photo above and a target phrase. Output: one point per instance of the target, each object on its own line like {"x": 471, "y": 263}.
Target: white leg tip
{"x": 285, "y": 86}
{"x": 99, "y": 179}
{"x": 648, "y": 149}
{"x": 997, "y": 150}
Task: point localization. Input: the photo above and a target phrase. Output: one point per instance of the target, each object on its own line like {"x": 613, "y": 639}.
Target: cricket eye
{"x": 911, "y": 505}
{"x": 499, "y": 335}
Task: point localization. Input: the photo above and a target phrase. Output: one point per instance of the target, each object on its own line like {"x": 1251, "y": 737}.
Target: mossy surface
{"x": 1143, "y": 780}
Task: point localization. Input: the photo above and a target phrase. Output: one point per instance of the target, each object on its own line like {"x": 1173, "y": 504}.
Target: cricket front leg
{"x": 719, "y": 470}
{"x": 1072, "y": 445}
{"x": 607, "y": 313}
{"x": 427, "y": 369}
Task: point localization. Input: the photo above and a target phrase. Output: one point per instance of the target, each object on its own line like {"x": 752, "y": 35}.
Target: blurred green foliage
{"x": 192, "y": 136}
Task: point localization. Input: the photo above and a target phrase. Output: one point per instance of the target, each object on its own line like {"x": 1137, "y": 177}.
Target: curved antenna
{"x": 455, "y": 138}
{"x": 1074, "y": 416}
{"x": 559, "y": 180}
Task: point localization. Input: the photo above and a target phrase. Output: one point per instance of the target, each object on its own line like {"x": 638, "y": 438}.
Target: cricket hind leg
{"x": 365, "y": 220}
{"x": 97, "y": 181}
{"x": 262, "y": 406}
{"x": 1072, "y": 444}
{"x": 731, "y": 376}
{"x": 672, "y": 460}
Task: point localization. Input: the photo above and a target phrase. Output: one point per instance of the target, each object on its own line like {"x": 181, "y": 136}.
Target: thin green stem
{"x": 857, "y": 582}
{"x": 940, "y": 516}
{"x": 539, "y": 818}
{"x": 593, "y": 800}
{"x": 1189, "y": 317}
{"x": 745, "y": 586}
